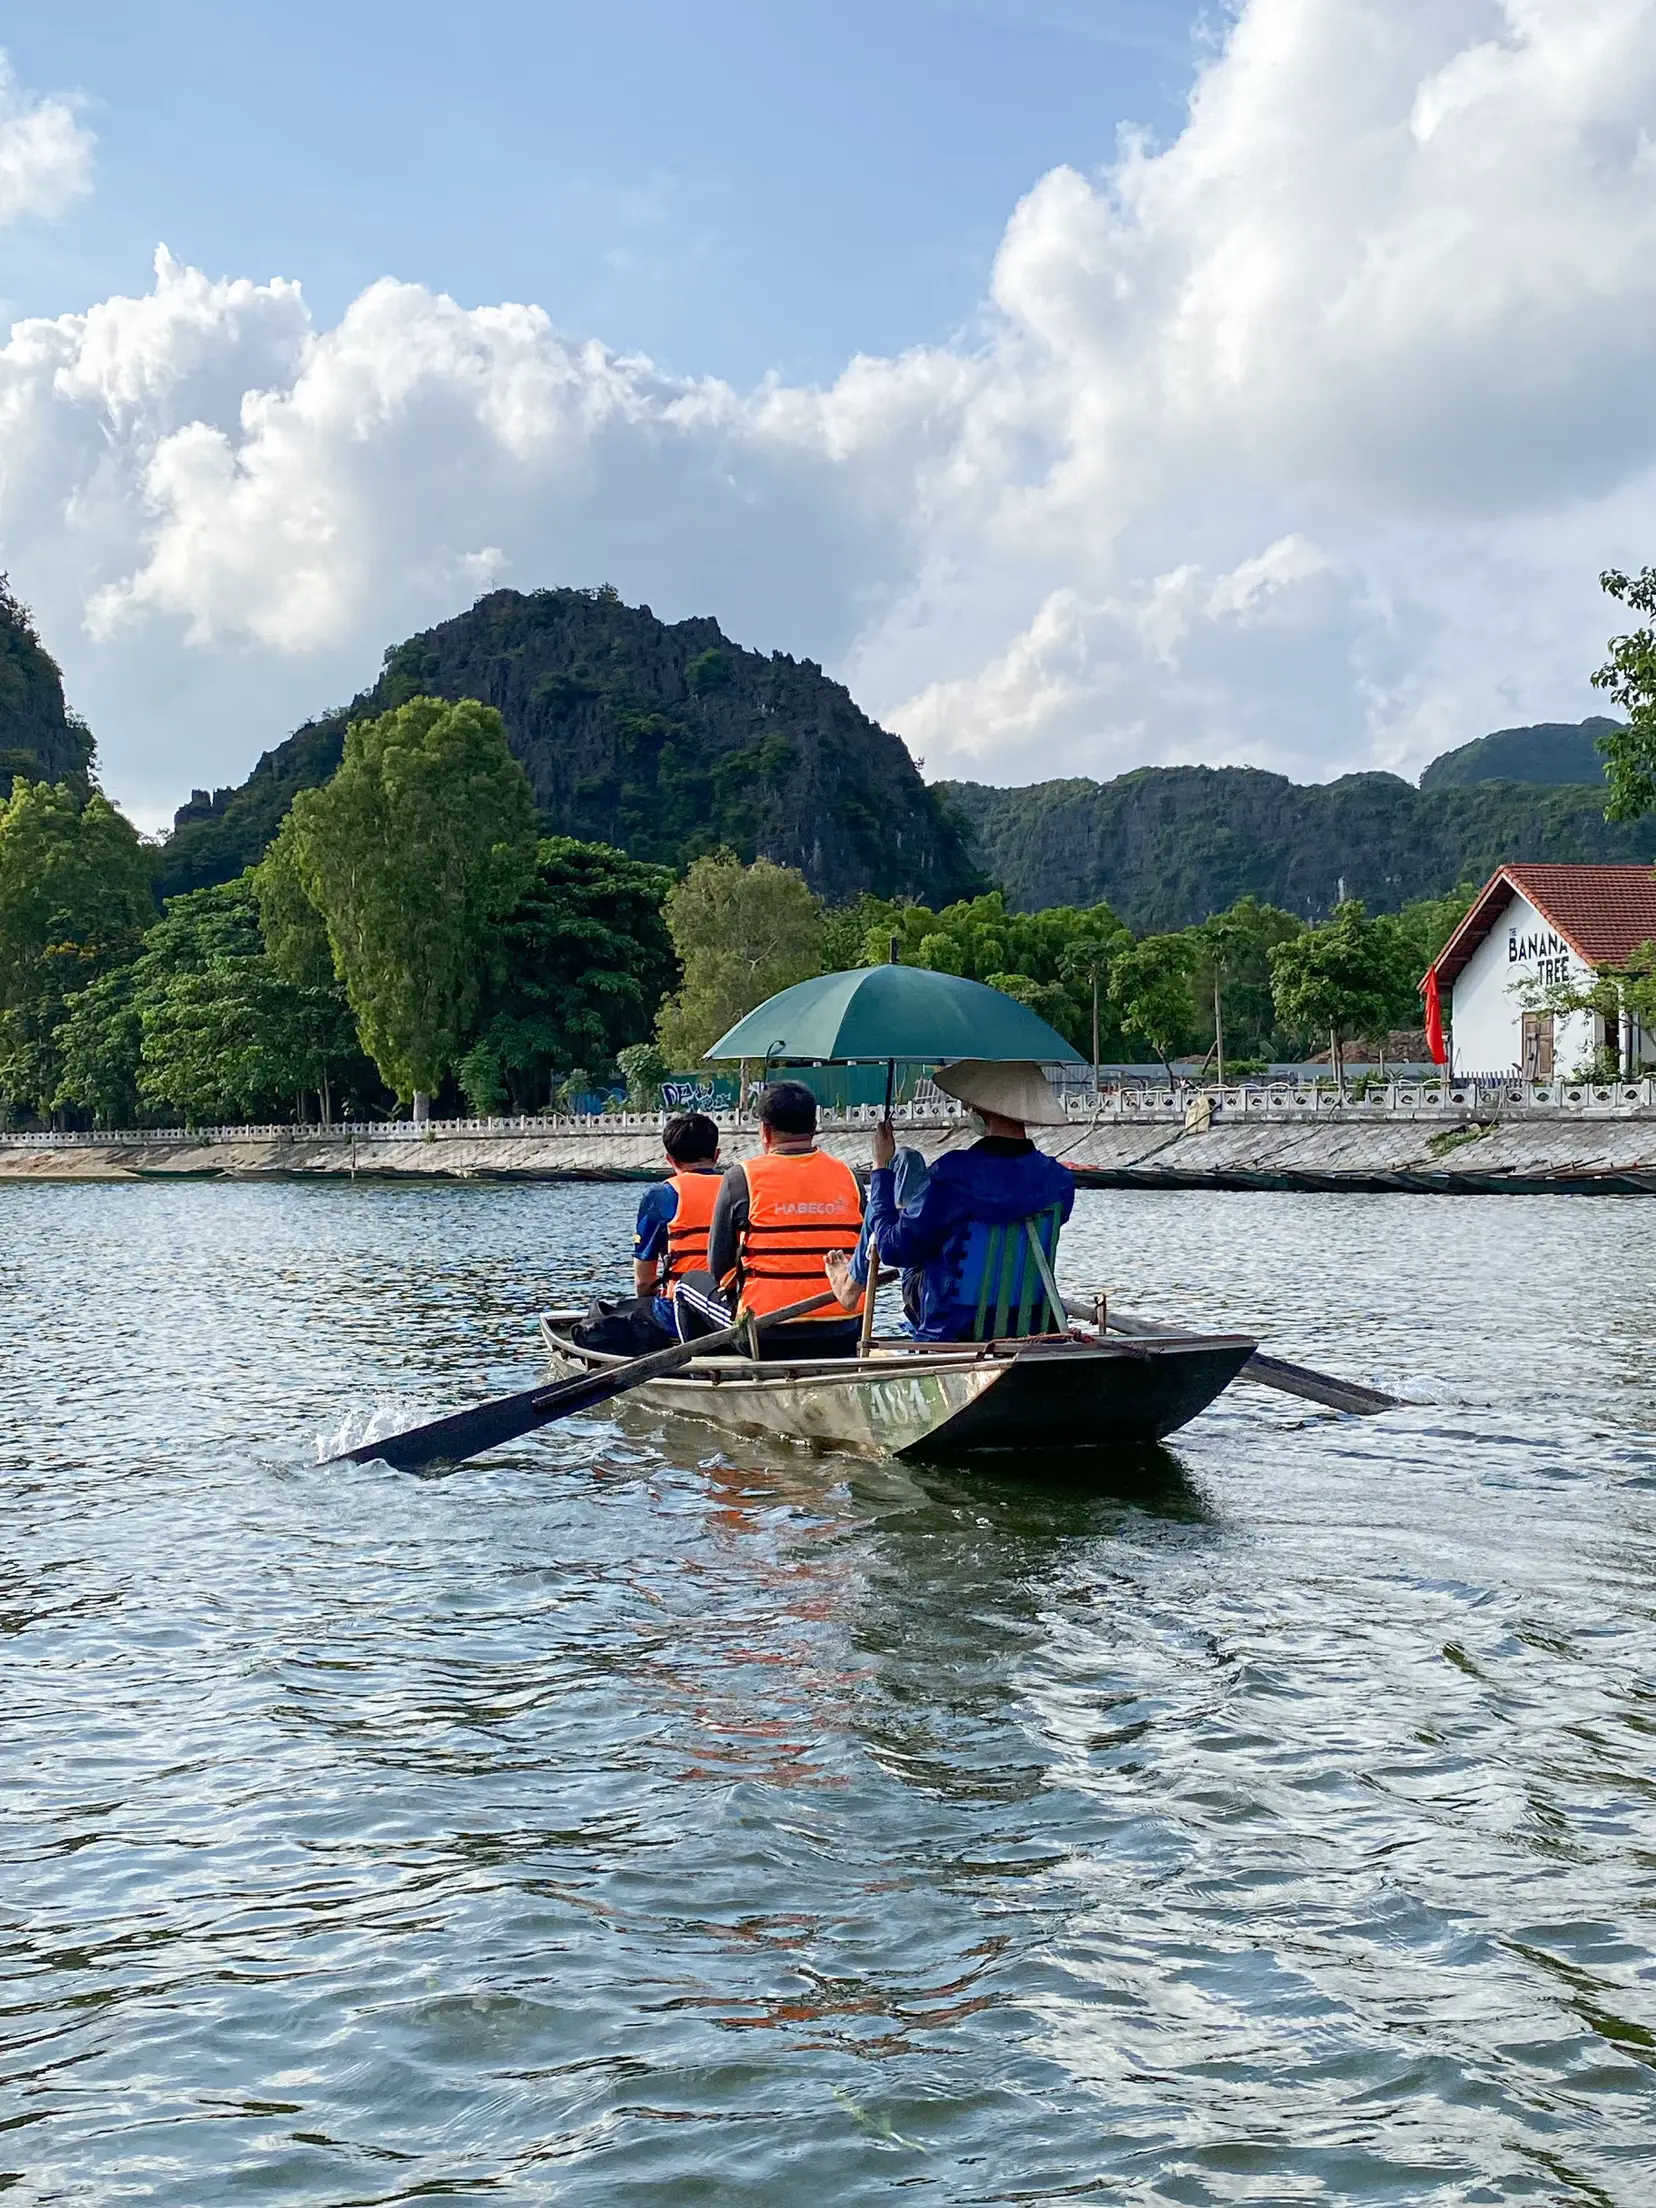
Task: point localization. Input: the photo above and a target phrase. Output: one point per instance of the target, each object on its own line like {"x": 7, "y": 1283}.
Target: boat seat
{"x": 1015, "y": 1295}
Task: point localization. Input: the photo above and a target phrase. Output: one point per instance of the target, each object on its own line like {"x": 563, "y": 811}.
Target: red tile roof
{"x": 1603, "y": 912}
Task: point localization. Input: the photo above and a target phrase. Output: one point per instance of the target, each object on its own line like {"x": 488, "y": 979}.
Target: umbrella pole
{"x": 873, "y": 1255}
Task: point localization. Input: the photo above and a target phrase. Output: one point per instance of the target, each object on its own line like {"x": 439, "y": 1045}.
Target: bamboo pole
{"x": 1218, "y": 1027}
{"x": 894, "y": 953}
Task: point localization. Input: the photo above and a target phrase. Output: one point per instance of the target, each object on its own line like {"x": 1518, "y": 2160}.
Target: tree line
{"x": 411, "y": 935}
{"x": 1256, "y": 981}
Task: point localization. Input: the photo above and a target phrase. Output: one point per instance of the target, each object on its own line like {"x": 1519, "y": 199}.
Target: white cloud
{"x": 1299, "y": 441}
{"x": 45, "y": 153}
{"x": 1234, "y": 668}
{"x": 1392, "y": 291}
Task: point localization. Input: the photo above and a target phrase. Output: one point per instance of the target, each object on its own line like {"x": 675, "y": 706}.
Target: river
{"x": 640, "y": 1816}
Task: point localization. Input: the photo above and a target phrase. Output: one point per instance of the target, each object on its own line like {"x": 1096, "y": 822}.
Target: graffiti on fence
{"x": 695, "y": 1093}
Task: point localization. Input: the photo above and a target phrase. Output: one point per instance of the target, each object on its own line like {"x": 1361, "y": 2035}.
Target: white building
{"x": 1535, "y": 925}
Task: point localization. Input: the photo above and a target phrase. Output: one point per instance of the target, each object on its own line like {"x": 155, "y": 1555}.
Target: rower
{"x": 978, "y": 1209}
{"x": 778, "y": 1220}
{"x": 675, "y": 1214}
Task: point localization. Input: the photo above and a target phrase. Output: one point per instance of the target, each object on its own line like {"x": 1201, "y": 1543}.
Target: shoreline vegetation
{"x": 409, "y": 940}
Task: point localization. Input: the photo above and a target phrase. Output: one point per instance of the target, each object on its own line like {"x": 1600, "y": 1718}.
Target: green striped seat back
{"x": 1012, "y": 1298}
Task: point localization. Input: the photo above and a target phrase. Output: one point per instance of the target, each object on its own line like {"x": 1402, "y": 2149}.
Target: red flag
{"x": 1434, "y": 1020}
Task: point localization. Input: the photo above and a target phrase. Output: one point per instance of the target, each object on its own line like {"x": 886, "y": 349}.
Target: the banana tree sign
{"x": 1543, "y": 955}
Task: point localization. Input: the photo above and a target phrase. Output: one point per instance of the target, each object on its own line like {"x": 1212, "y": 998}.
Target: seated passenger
{"x": 670, "y": 1240}
{"x": 778, "y": 1219}
{"x": 674, "y": 1215}
{"x": 1000, "y": 1181}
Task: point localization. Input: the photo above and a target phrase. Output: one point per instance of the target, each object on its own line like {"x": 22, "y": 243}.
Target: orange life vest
{"x": 697, "y": 1189}
{"x": 800, "y": 1206}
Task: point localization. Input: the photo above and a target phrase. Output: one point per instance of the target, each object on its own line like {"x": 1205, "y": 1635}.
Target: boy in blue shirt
{"x": 674, "y": 1215}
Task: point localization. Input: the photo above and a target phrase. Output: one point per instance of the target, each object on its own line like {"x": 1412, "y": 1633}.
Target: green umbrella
{"x": 878, "y": 1013}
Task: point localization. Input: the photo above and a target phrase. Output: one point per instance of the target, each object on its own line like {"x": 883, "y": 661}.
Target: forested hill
{"x": 1166, "y": 846}
{"x": 663, "y": 738}
{"x": 39, "y": 737}
{"x": 1550, "y": 751}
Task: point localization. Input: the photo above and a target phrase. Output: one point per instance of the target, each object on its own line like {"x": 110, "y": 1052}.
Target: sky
{"x": 1088, "y": 384}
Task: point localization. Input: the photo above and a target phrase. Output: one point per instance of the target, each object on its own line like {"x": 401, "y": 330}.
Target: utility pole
{"x": 1218, "y": 1026}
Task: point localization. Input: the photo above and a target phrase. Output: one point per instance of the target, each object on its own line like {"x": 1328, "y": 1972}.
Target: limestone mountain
{"x": 1548, "y": 751}
{"x": 1166, "y": 846}
{"x": 663, "y": 738}
{"x": 39, "y": 737}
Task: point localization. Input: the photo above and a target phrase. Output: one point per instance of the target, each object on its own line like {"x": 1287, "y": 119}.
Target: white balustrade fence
{"x": 1473, "y": 1097}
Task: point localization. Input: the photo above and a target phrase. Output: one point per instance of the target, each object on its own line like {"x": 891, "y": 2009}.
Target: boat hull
{"x": 943, "y": 1403}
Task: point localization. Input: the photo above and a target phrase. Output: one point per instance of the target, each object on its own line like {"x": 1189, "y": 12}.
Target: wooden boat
{"x": 945, "y": 1400}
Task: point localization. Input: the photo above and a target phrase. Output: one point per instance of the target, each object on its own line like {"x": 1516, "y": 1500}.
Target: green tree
{"x": 573, "y": 1091}
{"x": 1233, "y": 975}
{"x": 203, "y": 1026}
{"x": 74, "y": 901}
{"x": 413, "y": 854}
{"x": 1629, "y": 675}
{"x": 1352, "y": 976}
{"x": 848, "y": 930}
{"x": 1048, "y": 998}
{"x": 1427, "y": 923}
{"x": 294, "y": 931}
{"x": 100, "y": 1043}
{"x": 741, "y": 934}
{"x": 237, "y": 1041}
{"x": 580, "y": 967}
{"x": 482, "y": 1081}
{"x": 1047, "y": 959}
{"x": 643, "y": 1067}
{"x": 103, "y": 1032}
{"x": 1150, "y": 989}
{"x": 1084, "y": 966}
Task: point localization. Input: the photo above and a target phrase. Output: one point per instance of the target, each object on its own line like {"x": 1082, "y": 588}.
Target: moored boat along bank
{"x": 1471, "y": 1138}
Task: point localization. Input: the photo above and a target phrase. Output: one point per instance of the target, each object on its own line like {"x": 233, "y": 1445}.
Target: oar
{"x": 1270, "y": 1372}
{"x": 468, "y": 1433}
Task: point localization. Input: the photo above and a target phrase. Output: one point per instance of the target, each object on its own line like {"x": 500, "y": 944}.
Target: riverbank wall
{"x": 1471, "y": 1139}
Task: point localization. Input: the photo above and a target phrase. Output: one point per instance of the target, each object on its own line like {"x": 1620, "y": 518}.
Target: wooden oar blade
{"x": 1267, "y": 1372}
{"x": 1319, "y": 1387}
{"x": 469, "y": 1433}
{"x": 448, "y": 1440}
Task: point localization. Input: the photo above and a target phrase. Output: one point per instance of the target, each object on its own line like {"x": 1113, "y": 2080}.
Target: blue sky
{"x": 1087, "y": 386}
{"x": 737, "y": 187}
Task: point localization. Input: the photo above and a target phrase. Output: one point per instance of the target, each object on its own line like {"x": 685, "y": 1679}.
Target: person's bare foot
{"x": 839, "y": 1279}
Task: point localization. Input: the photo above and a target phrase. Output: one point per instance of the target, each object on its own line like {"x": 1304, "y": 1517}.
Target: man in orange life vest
{"x": 674, "y": 1215}
{"x": 777, "y": 1219}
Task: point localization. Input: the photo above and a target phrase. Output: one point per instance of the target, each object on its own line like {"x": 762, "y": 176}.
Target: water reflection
{"x": 1079, "y": 1492}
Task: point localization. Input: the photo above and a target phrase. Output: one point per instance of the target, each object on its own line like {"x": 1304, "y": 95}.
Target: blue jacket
{"x": 992, "y": 1184}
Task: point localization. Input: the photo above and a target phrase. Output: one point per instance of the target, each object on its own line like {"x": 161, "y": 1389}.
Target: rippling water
{"x": 639, "y": 1817}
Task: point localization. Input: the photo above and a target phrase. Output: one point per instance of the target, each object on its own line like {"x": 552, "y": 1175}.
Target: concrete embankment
{"x": 1507, "y": 1156}
{"x": 1516, "y": 1154}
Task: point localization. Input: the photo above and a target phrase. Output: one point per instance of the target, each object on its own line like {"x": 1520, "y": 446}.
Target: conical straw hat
{"x": 1016, "y": 1088}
